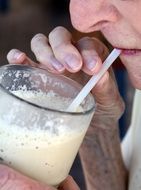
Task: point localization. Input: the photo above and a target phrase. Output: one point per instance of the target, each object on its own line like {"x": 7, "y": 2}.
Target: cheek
{"x": 137, "y": 24}
{"x": 75, "y": 12}
{"x": 135, "y": 80}
{"x": 130, "y": 11}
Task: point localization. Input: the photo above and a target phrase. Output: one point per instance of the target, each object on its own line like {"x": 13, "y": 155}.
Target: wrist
{"x": 107, "y": 116}
{"x": 102, "y": 160}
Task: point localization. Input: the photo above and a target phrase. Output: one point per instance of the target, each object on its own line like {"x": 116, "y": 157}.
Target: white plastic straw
{"x": 94, "y": 79}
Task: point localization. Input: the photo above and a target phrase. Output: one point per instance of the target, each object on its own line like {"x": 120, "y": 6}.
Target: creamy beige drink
{"x": 38, "y": 137}
{"x": 42, "y": 154}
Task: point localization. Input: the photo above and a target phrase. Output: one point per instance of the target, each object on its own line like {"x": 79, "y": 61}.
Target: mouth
{"x": 130, "y": 52}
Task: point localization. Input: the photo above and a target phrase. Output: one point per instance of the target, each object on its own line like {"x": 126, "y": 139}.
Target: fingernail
{"x": 57, "y": 65}
{"x": 17, "y": 54}
{"x": 91, "y": 64}
{"x": 73, "y": 62}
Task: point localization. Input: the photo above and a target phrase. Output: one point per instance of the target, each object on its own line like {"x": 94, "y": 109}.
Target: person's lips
{"x": 130, "y": 52}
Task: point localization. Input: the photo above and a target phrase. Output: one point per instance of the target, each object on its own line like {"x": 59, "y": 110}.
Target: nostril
{"x": 89, "y": 17}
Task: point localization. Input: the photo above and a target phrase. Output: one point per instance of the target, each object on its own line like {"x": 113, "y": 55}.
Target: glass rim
{"x": 43, "y": 107}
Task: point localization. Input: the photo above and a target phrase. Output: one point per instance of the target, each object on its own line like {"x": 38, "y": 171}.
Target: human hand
{"x": 79, "y": 60}
{"x": 11, "y": 179}
{"x": 60, "y": 54}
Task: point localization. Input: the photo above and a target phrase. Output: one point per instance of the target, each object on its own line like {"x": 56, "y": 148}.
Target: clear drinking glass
{"x": 37, "y": 136}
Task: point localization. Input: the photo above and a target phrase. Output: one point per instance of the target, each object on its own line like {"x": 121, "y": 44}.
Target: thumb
{"x": 10, "y": 179}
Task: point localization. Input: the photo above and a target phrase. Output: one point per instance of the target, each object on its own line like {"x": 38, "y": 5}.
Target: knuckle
{"x": 121, "y": 107}
{"x": 58, "y": 29}
{"x": 45, "y": 61}
{"x": 60, "y": 49}
{"x": 118, "y": 108}
{"x": 41, "y": 58}
{"x": 37, "y": 38}
{"x": 53, "y": 32}
{"x": 58, "y": 36}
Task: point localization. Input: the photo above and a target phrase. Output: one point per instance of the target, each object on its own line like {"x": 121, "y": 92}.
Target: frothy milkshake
{"x": 45, "y": 153}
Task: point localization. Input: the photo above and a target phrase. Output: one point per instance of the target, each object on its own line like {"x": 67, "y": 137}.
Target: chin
{"x": 136, "y": 86}
{"x": 133, "y": 68}
{"x": 136, "y": 83}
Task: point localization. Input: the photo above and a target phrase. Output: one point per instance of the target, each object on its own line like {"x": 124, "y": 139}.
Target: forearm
{"x": 101, "y": 157}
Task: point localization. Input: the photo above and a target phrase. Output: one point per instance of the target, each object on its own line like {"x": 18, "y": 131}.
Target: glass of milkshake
{"x": 38, "y": 137}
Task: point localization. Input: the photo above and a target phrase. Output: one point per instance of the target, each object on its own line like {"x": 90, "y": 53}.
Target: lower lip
{"x": 130, "y": 52}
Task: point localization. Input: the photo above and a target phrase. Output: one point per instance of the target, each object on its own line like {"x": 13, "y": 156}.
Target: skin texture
{"x": 10, "y": 179}
{"x": 119, "y": 21}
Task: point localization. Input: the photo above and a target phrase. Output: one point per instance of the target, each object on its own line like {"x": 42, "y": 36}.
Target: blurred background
{"x": 20, "y": 20}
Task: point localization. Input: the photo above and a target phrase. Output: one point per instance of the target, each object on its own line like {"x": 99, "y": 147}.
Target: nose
{"x": 92, "y": 15}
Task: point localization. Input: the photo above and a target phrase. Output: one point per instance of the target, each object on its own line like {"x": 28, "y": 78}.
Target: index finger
{"x": 64, "y": 50}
